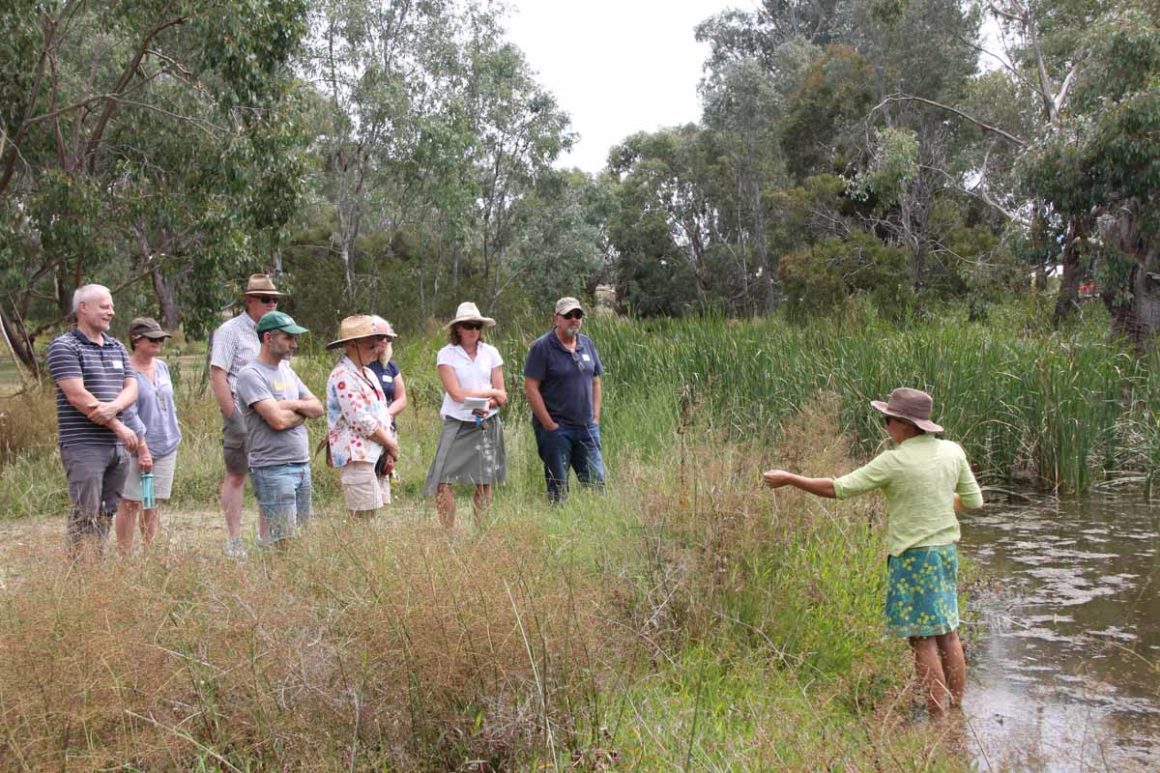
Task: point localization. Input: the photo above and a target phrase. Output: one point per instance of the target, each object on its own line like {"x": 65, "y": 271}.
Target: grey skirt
{"x": 468, "y": 454}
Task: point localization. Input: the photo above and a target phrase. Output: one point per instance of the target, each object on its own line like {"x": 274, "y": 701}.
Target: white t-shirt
{"x": 473, "y": 375}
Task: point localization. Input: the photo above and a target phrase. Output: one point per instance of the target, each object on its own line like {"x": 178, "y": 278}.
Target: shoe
{"x": 234, "y": 548}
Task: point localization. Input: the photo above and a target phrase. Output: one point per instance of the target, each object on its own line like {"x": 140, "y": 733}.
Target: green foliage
{"x": 817, "y": 280}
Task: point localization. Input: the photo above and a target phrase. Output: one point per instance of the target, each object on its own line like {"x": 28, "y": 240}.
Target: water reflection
{"x": 1065, "y": 651}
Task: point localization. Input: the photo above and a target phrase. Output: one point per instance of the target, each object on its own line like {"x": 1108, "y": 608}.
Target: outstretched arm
{"x": 822, "y": 487}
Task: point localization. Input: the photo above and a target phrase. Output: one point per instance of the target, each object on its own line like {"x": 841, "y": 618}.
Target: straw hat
{"x": 391, "y": 334}
{"x": 469, "y": 312}
{"x": 360, "y": 326}
{"x": 913, "y": 405}
{"x": 261, "y": 284}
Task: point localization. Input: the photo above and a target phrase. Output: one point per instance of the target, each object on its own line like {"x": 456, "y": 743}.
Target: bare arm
{"x": 822, "y": 487}
{"x": 500, "y": 398}
{"x": 536, "y": 401}
{"x": 103, "y": 413}
{"x": 400, "y": 402}
{"x": 597, "y": 398}
{"x": 80, "y": 398}
{"x": 277, "y": 415}
{"x": 308, "y": 407}
{"x": 452, "y": 387}
{"x": 219, "y": 383}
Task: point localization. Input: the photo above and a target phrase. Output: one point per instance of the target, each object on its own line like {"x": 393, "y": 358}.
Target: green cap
{"x": 279, "y": 320}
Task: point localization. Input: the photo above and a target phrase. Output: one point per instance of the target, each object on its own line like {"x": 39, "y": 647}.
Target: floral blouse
{"x": 355, "y": 408}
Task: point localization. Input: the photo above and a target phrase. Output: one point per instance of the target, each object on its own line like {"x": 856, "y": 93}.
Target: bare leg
{"x": 482, "y": 501}
{"x": 928, "y": 667}
{"x": 150, "y": 525}
{"x": 124, "y": 523}
{"x": 445, "y": 504}
{"x": 233, "y": 487}
{"x": 954, "y": 665}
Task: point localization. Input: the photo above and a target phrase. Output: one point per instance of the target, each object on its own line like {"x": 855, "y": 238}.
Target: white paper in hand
{"x": 475, "y": 403}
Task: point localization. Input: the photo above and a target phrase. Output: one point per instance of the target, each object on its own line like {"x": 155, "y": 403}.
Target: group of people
{"x": 119, "y": 438}
{"x": 119, "y": 433}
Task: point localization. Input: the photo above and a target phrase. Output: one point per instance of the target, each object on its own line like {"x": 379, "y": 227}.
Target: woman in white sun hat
{"x": 471, "y": 449}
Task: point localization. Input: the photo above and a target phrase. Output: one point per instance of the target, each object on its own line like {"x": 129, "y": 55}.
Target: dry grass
{"x": 687, "y": 619}
{"x": 378, "y": 646}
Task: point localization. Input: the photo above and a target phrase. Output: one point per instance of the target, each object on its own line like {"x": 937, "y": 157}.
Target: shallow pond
{"x": 1064, "y": 647}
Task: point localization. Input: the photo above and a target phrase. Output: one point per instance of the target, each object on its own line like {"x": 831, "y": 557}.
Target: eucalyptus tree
{"x": 386, "y": 70}
{"x": 156, "y": 130}
{"x": 519, "y": 132}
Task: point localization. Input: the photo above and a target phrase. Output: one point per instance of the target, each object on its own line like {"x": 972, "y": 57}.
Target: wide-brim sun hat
{"x": 469, "y": 312}
{"x": 391, "y": 334}
{"x": 911, "y": 405}
{"x": 360, "y": 326}
{"x": 261, "y": 284}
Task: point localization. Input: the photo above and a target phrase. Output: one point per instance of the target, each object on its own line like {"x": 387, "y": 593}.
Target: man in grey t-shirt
{"x": 275, "y": 404}
{"x": 235, "y": 344}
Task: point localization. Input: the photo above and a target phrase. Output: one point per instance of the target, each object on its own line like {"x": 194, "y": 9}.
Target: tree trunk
{"x": 166, "y": 304}
{"x": 18, "y": 343}
{"x": 1068, "y": 299}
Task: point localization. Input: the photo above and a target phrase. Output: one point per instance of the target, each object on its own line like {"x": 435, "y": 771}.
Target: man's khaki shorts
{"x": 235, "y": 443}
{"x": 360, "y": 486}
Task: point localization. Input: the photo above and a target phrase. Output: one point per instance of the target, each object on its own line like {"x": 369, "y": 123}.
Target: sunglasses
{"x": 265, "y": 298}
{"x": 471, "y": 325}
{"x": 574, "y": 314}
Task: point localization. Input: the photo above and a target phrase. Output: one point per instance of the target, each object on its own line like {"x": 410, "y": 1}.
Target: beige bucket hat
{"x": 261, "y": 284}
{"x": 913, "y": 405}
{"x": 359, "y": 326}
{"x": 469, "y": 312}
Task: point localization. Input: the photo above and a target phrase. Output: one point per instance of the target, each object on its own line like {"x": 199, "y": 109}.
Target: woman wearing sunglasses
{"x": 926, "y": 481}
{"x": 359, "y": 432}
{"x": 470, "y": 449}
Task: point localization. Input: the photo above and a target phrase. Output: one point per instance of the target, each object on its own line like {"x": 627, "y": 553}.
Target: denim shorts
{"x": 283, "y": 494}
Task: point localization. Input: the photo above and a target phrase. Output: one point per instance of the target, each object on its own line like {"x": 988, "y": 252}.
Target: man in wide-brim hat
{"x": 235, "y": 345}
{"x": 359, "y": 431}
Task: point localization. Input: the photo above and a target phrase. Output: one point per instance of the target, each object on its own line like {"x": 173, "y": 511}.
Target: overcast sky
{"x": 616, "y": 66}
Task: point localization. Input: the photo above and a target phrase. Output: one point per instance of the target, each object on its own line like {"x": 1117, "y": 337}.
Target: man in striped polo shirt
{"x": 235, "y": 345}
{"x": 94, "y": 386}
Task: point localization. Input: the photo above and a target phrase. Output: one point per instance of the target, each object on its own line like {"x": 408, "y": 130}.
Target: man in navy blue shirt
{"x": 562, "y": 383}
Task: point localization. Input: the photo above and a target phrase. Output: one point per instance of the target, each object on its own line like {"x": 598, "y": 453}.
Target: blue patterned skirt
{"x": 922, "y": 592}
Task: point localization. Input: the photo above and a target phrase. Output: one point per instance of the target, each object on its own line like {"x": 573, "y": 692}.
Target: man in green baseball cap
{"x": 275, "y": 405}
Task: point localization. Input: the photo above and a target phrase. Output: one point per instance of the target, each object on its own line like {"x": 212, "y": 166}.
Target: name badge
{"x": 280, "y": 386}
{"x": 118, "y": 365}
{"x": 586, "y": 358}
{"x": 388, "y": 378}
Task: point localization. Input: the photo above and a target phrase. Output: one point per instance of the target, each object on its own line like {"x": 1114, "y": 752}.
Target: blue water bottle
{"x": 148, "y": 501}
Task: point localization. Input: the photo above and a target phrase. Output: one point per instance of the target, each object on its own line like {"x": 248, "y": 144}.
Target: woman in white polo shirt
{"x": 471, "y": 449}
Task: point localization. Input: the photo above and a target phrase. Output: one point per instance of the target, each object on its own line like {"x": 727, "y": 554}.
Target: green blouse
{"x": 919, "y": 479}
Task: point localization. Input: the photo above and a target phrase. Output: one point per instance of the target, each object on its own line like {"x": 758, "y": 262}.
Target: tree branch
{"x": 123, "y": 82}
{"x": 1020, "y": 143}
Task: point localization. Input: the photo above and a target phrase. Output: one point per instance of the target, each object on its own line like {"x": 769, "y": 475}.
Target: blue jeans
{"x": 575, "y": 447}
{"x": 283, "y": 494}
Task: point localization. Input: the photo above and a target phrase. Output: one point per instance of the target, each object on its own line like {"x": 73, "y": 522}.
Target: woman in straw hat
{"x": 471, "y": 446}
{"x": 359, "y": 430}
{"x": 157, "y": 450}
{"x": 390, "y": 380}
{"x": 926, "y": 481}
